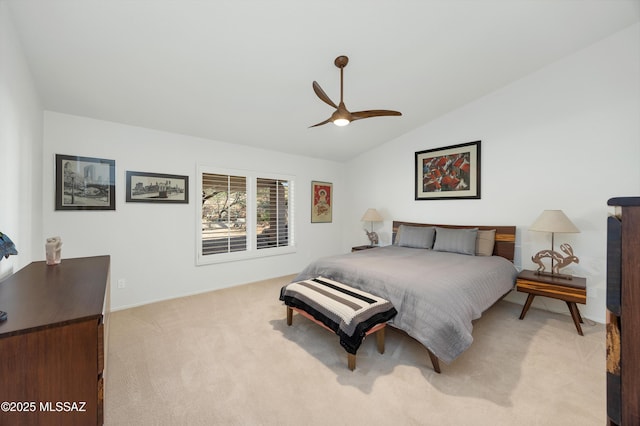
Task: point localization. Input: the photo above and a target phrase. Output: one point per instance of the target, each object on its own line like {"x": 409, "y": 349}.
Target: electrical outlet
{"x": 122, "y": 283}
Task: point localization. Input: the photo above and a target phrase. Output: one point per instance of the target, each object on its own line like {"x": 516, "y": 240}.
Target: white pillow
{"x": 485, "y": 242}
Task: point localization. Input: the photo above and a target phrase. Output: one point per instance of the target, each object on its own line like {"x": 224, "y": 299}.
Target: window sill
{"x": 243, "y": 255}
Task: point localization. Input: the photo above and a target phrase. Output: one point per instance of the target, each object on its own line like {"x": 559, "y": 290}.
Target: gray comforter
{"x": 437, "y": 294}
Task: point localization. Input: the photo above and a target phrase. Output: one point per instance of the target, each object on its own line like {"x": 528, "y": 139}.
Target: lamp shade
{"x": 372, "y": 215}
{"x": 553, "y": 221}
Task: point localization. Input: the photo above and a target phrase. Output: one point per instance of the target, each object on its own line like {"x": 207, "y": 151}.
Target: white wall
{"x": 566, "y": 137}
{"x": 153, "y": 247}
{"x": 20, "y": 151}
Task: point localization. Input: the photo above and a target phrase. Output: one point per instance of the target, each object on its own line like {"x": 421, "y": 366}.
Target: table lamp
{"x": 554, "y": 221}
{"x": 372, "y": 215}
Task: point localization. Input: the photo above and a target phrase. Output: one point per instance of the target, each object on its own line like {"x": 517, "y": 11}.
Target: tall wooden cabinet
{"x": 623, "y": 312}
{"x": 53, "y": 344}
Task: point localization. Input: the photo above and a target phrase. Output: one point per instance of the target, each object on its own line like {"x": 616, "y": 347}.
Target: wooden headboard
{"x": 505, "y": 236}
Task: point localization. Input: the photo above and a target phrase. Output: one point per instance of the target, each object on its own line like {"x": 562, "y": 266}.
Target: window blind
{"x": 224, "y": 213}
{"x": 272, "y": 210}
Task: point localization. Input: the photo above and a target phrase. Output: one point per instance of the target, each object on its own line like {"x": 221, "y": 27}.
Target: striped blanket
{"x": 349, "y": 312}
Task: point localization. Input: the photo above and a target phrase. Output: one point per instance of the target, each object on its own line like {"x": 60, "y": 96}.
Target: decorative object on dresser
{"x": 53, "y": 346}
{"x": 7, "y": 248}
{"x": 372, "y": 215}
{"x": 554, "y": 221}
{"x": 53, "y": 250}
{"x": 571, "y": 291}
{"x": 623, "y": 315}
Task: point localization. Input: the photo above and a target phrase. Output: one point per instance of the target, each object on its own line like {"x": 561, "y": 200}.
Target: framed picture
{"x": 321, "y": 202}
{"x": 146, "y": 187}
{"x": 85, "y": 183}
{"x": 451, "y": 172}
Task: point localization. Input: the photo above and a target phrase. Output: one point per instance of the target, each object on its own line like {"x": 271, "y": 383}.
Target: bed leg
{"x": 289, "y": 315}
{"x": 351, "y": 361}
{"x": 380, "y": 340}
{"x": 434, "y": 361}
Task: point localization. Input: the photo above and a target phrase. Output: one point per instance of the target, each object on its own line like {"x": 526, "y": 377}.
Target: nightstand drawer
{"x": 569, "y": 294}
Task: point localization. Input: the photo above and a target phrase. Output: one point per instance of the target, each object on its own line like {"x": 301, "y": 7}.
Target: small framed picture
{"x": 321, "y": 202}
{"x": 144, "y": 187}
{"x": 451, "y": 172}
{"x": 85, "y": 183}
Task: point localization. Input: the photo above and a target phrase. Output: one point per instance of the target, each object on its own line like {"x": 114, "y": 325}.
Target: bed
{"x": 440, "y": 278}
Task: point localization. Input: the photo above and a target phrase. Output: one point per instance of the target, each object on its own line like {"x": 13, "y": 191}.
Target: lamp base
{"x": 554, "y": 275}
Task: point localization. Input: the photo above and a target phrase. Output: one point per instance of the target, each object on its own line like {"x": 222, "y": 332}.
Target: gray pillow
{"x": 415, "y": 236}
{"x": 461, "y": 241}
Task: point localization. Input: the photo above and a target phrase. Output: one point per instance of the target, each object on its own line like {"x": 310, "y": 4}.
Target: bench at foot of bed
{"x": 351, "y": 358}
{"x": 350, "y": 313}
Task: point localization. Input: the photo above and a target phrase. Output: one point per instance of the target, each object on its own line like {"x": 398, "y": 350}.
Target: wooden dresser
{"x": 53, "y": 344}
{"x": 623, "y": 313}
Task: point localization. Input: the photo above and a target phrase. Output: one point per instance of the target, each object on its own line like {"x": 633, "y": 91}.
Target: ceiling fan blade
{"x": 321, "y": 123}
{"x": 323, "y": 96}
{"x": 373, "y": 113}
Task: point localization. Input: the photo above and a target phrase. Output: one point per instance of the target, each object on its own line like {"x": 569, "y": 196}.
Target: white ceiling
{"x": 240, "y": 71}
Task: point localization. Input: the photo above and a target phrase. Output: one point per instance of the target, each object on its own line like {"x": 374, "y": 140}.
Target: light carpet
{"x": 228, "y": 358}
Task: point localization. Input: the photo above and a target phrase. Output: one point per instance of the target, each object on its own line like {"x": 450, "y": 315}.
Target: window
{"x": 243, "y": 215}
{"x": 272, "y": 213}
{"x": 224, "y": 213}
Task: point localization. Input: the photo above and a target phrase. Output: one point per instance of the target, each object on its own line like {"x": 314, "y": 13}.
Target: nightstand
{"x": 358, "y": 248}
{"x": 571, "y": 291}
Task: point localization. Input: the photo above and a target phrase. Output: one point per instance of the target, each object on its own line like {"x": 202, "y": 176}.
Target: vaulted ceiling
{"x": 240, "y": 71}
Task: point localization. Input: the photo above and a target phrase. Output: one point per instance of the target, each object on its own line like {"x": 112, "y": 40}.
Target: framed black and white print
{"x": 451, "y": 172}
{"x": 85, "y": 183}
{"x": 145, "y": 187}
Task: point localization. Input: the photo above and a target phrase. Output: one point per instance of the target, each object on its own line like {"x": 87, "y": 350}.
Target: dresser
{"x": 623, "y": 313}
{"x": 53, "y": 343}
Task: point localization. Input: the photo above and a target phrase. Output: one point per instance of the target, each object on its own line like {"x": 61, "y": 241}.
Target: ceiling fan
{"x": 342, "y": 116}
